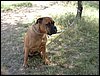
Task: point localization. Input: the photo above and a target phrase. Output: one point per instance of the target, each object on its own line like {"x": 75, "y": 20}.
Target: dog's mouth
{"x": 53, "y": 30}
{"x": 49, "y": 33}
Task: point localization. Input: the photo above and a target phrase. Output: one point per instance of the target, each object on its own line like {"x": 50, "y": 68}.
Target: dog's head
{"x": 47, "y": 25}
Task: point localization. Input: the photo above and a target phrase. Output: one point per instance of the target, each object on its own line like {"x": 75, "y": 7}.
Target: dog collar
{"x": 36, "y": 31}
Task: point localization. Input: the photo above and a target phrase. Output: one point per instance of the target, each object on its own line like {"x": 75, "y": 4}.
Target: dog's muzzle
{"x": 53, "y": 30}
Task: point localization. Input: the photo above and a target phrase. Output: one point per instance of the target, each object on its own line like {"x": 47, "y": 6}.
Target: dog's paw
{"x": 47, "y": 62}
{"x": 25, "y": 65}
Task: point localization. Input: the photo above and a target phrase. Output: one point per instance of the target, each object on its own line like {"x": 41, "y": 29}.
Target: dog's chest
{"x": 38, "y": 42}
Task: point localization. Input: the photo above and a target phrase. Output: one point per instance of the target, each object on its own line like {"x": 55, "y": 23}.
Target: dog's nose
{"x": 55, "y": 29}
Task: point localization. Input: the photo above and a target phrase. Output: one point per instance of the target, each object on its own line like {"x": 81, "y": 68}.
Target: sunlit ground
{"x": 55, "y": 10}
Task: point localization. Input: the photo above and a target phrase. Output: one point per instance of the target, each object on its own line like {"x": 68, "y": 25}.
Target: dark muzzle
{"x": 53, "y": 30}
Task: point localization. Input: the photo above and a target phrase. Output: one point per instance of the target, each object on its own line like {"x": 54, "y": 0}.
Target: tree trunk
{"x": 79, "y": 9}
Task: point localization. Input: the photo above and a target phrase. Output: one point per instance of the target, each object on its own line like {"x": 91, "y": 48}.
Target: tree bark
{"x": 79, "y": 9}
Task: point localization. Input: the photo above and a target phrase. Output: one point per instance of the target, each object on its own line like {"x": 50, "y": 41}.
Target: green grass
{"x": 6, "y": 7}
{"x": 93, "y": 4}
{"x": 24, "y": 4}
{"x": 79, "y": 46}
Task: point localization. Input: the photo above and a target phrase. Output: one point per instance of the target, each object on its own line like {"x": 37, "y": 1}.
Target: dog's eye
{"x": 52, "y": 22}
{"x": 47, "y": 24}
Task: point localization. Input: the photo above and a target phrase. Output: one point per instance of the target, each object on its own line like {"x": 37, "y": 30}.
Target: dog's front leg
{"x": 26, "y": 52}
{"x": 44, "y": 55}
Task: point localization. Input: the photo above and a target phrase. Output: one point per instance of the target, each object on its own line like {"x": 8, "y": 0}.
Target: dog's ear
{"x": 39, "y": 20}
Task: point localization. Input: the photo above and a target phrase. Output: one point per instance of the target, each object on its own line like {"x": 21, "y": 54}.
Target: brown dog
{"x": 35, "y": 38}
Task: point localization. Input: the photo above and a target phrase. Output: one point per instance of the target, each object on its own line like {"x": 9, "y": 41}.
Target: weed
{"x": 24, "y": 4}
{"x": 13, "y": 6}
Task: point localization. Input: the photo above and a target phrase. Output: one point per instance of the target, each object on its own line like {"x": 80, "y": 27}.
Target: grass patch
{"x": 78, "y": 46}
{"x": 24, "y": 4}
{"x": 93, "y": 4}
{"x": 5, "y": 7}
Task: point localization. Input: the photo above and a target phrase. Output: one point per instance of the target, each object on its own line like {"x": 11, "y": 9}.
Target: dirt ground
{"x": 11, "y": 37}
